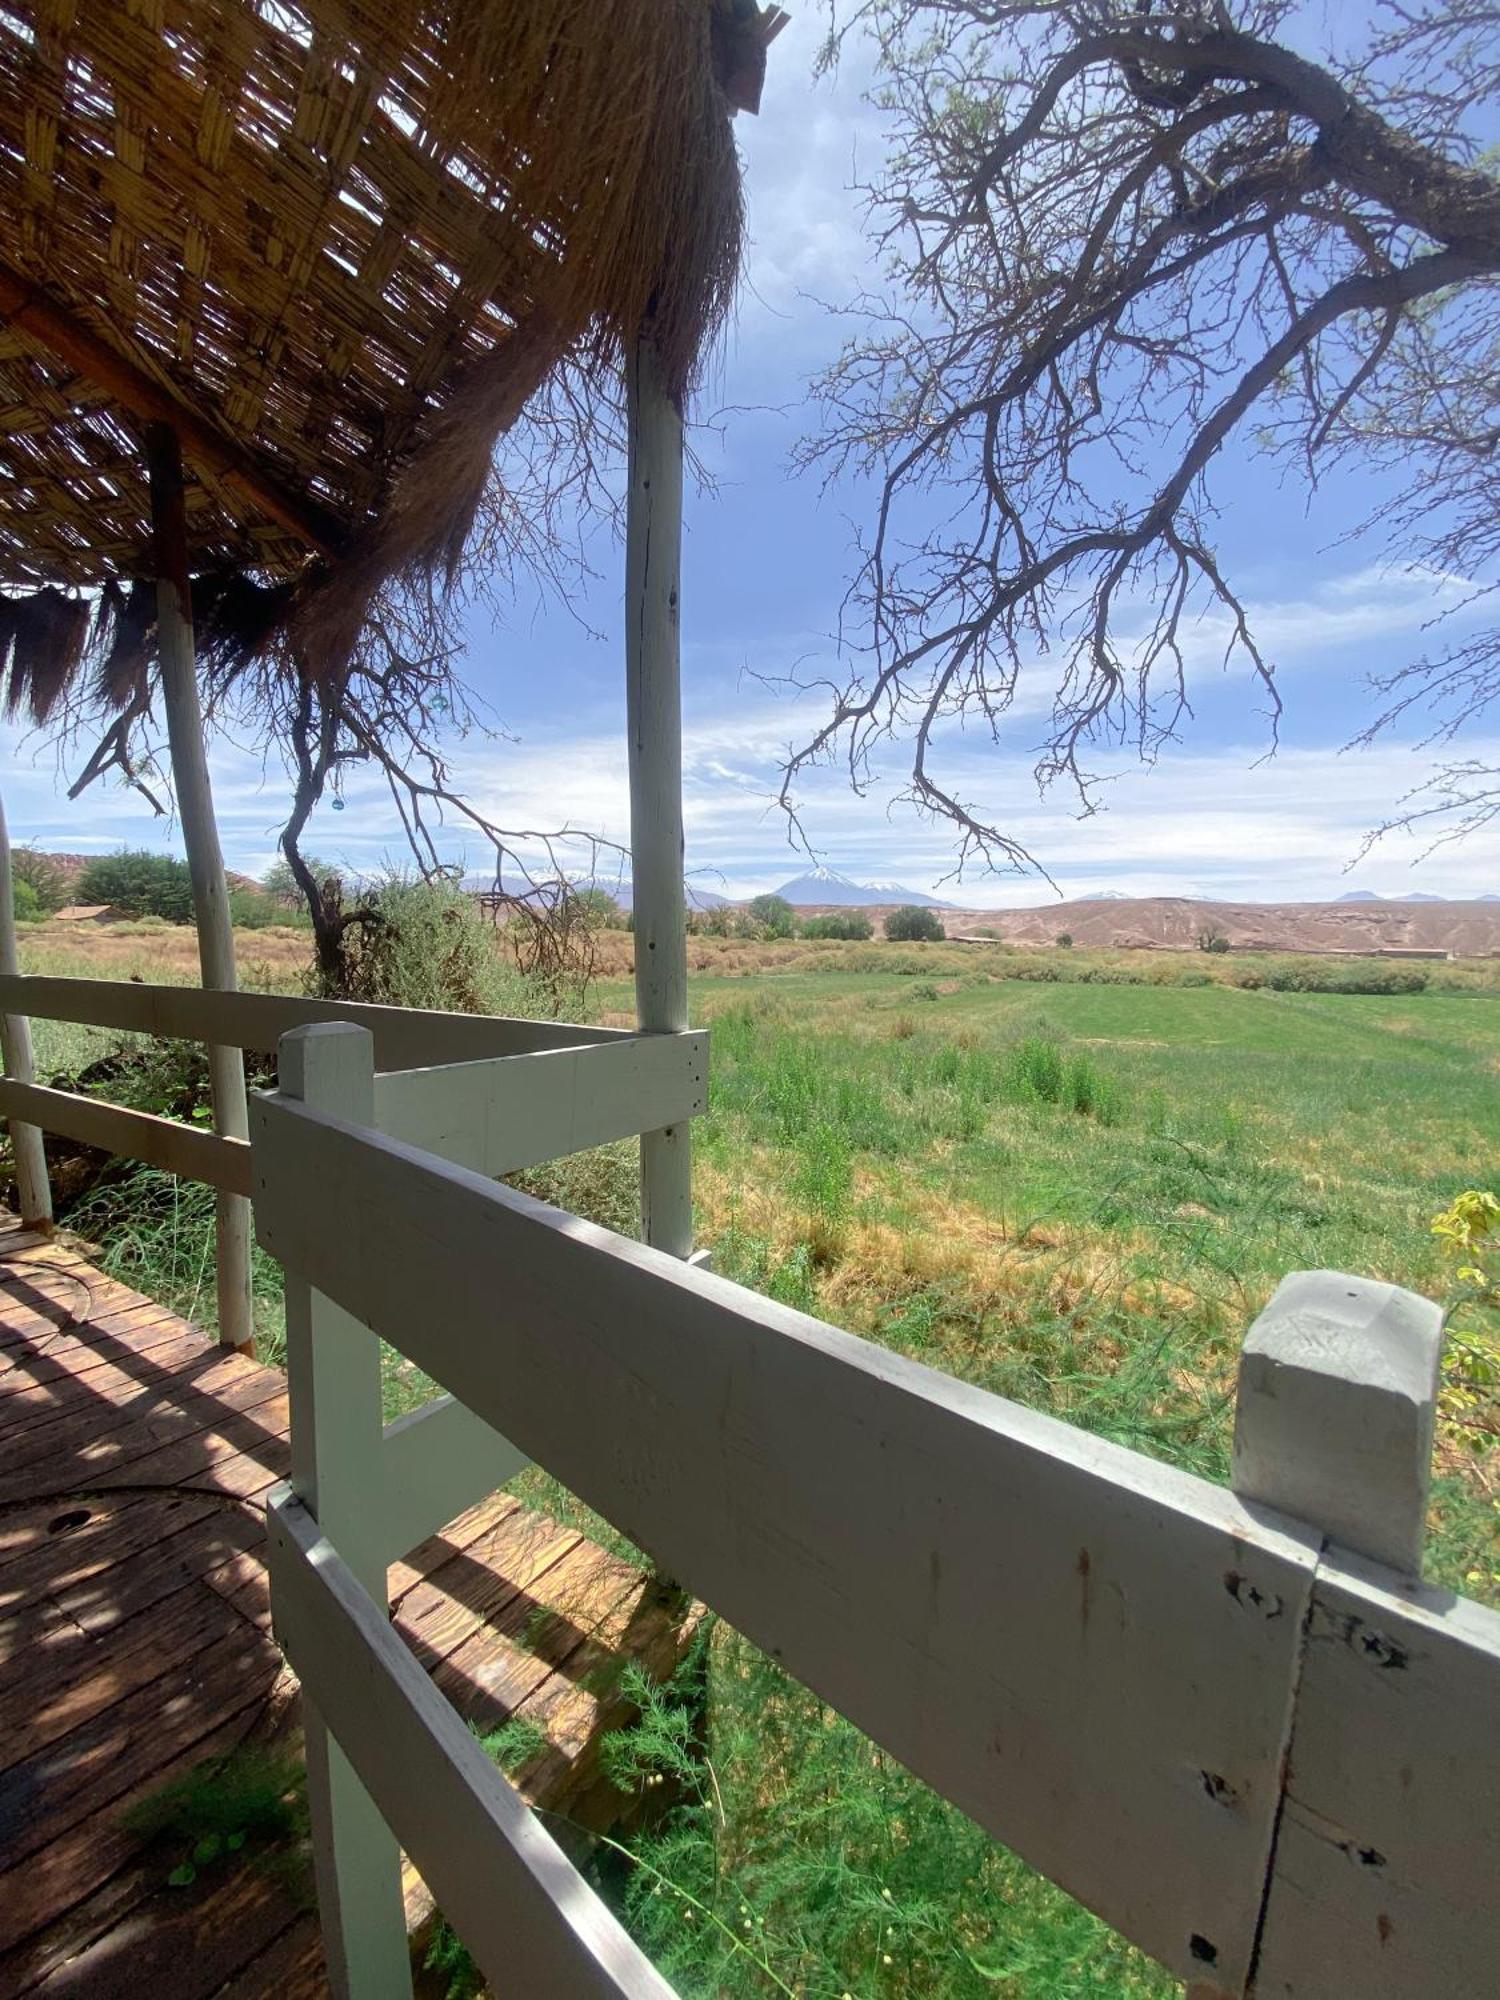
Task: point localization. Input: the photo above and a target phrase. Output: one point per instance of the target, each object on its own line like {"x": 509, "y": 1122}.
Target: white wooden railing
{"x": 1232, "y": 1722}
{"x": 565, "y": 1086}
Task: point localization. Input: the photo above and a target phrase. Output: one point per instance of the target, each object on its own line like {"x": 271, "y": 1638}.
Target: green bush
{"x": 798, "y": 1858}
{"x": 256, "y": 910}
{"x": 141, "y": 884}
{"x": 853, "y": 926}
{"x": 1039, "y": 1070}
{"x": 1065, "y": 940}
{"x": 599, "y": 909}
{"x": 427, "y": 944}
{"x": 910, "y": 925}
{"x": 45, "y": 875}
{"x": 1036, "y": 1069}
{"x": 773, "y": 916}
{"x": 26, "y": 905}
{"x": 1312, "y": 975}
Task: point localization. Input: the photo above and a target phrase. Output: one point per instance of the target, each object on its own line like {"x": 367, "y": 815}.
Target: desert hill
{"x": 1175, "y": 923}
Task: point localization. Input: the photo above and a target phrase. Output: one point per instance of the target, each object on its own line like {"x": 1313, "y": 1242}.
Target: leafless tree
{"x": 402, "y": 698}
{"x": 1119, "y": 234}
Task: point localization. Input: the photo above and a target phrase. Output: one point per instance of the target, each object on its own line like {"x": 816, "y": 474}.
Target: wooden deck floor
{"x": 135, "y": 1639}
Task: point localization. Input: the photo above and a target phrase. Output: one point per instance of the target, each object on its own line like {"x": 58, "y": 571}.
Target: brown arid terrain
{"x": 1176, "y": 923}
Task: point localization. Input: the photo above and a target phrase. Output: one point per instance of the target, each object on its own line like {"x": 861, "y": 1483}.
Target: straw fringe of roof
{"x": 42, "y": 643}
{"x": 612, "y": 125}
{"x": 561, "y": 173}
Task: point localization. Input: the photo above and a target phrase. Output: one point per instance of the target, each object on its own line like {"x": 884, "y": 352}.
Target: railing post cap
{"x": 1335, "y": 1412}
{"x": 330, "y": 1064}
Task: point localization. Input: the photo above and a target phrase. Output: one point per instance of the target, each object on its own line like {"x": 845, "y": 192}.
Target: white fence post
{"x": 653, "y": 708}
{"x": 1337, "y": 1400}
{"x": 1382, "y": 1872}
{"x": 333, "y": 1372}
{"x": 200, "y": 839}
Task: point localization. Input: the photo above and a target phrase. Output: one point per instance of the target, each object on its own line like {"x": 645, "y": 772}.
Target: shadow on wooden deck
{"x": 135, "y": 1640}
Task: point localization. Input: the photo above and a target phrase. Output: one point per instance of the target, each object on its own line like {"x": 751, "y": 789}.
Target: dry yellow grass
{"x": 162, "y": 954}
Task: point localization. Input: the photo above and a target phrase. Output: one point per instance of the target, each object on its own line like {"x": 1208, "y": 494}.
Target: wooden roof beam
{"x": 56, "y": 329}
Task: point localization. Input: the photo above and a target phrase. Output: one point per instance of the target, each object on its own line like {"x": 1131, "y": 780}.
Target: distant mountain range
{"x": 1412, "y": 896}
{"x": 826, "y": 888}
{"x": 622, "y": 892}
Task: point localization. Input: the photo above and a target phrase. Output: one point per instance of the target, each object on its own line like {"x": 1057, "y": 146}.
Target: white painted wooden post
{"x": 653, "y": 564}
{"x": 1334, "y": 1420}
{"x": 32, "y": 1185}
{"x": 333, "y": 1374}
{"x": 200, "y": 834}
{"x": 1387, "y": 1849}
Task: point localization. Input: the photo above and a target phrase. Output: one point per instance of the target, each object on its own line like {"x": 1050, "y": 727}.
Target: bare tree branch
{"x": 1119, "y": 232}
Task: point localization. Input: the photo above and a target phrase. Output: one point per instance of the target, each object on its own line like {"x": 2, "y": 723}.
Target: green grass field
{"x": 1077, "y": 1194}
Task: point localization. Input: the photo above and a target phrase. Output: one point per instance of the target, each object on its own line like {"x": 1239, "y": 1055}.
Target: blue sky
{"x": 767, "y": 559}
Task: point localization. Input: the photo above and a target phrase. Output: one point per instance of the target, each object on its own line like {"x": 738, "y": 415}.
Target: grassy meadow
{"x": 1072, "y": 1178}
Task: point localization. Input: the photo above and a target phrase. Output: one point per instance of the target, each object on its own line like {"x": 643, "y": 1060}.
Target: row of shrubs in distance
{"x": 148, "y": 887}
{"x": 1296, "y": 975}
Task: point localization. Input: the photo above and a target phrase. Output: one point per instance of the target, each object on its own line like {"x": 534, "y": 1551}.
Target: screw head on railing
{"x": 1335, "y": 1411}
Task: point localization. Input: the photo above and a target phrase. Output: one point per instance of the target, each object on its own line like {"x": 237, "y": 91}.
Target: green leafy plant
{"x": 913, "y": 925}
{"x": 773, "y": 916}
{"x": 141, "y": 884}
{"x": 1469, "y": 1403}
{"x": 44, "y": 875}
{"x": 252, "y": 1802}
{"x": 851, "y": 926}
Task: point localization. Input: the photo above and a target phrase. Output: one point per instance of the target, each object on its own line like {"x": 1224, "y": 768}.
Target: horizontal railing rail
{"x": 497, "y": 1876}
{"x": 489, "y": 1092}
{"x": 185, "y": 1150}
{"x": 1270, "y": 1763}
{"x": 405, "y": 1037}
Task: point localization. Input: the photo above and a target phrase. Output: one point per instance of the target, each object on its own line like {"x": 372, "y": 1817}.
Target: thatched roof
{"x": 337, "y": 244}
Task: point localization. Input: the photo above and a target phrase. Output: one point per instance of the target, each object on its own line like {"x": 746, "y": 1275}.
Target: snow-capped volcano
{"x": 827, "y": 888}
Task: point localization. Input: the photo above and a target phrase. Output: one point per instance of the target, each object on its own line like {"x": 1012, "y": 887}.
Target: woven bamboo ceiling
{"x": 314, "y": 234}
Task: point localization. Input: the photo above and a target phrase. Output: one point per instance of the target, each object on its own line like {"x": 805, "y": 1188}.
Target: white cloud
{"x": 1202, "y": 821}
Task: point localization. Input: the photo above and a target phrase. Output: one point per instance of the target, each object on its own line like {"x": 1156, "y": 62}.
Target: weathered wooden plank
{"x": 137, "y": 1135}
{"x": 501, "y": 1668}
{"x": 85, "y": 1674}
{"x": 188, "y": 1947}
{"x": 93, "y": 1432}
{"x": 186, "y": 1361}
{"x": 470, "y": 1593}
{"x": 67, "y": 1551}
{"x": 87, "y": 1448}
{"x": 69, "y": 1354}
{"x": 529, "y": 1919}
{"x": 1389, "y": 1851}
{"x": 500, "y": 1116}
{"x": 434, "y": 1463}
{"x": 405, "y": 1037}
{"x": 983, "y": 1590}
{"x": 63, "y": 1783}
{"x": 464, "y": 1534}
{"x": 69, "y": 1869}
{"x": 101, "y": 1599}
